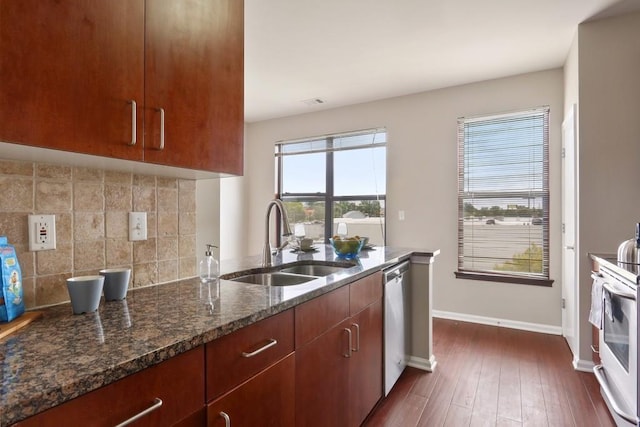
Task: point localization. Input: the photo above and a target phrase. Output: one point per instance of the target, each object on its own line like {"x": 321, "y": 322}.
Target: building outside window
{"x": 503, "y": 197}
{"x": 334, "y": 184}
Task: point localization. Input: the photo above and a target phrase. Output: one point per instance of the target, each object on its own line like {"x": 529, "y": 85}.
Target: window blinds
{"x": 503, "y": 194}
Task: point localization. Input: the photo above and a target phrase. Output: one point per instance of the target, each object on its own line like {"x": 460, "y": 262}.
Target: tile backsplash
{"x": 91, "y": 207}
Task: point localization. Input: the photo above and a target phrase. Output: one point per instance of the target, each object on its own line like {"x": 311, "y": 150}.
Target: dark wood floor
{"x": 491, "y": 376}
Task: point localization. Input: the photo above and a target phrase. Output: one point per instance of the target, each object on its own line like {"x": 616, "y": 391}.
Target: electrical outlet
{"x": 137, "y": 226}
{"x": 42, "y": 232}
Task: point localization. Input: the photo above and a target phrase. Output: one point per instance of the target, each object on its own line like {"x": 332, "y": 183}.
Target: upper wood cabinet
{"x": 69, "y": 70}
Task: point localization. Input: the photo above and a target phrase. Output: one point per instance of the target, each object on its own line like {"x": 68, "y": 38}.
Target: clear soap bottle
{"x": 209, "y": 267}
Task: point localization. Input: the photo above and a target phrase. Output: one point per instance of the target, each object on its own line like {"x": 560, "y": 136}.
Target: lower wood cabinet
{"x": 177, "y": 383}
{"x": 267, "y": 399}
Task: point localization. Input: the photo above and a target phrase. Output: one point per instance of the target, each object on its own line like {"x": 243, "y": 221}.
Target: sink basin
{"x": 274, "y": 279}
{"x": 318, "y": 270}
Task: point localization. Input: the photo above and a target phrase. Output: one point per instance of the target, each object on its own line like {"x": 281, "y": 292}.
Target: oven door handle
{"x": 604, "y": 385}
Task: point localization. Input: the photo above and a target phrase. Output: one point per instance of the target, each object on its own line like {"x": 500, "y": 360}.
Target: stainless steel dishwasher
{"x": 396, "y": 328}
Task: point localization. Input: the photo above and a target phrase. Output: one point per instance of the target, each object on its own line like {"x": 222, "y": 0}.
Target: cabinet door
{"x": 178, "y": 383}
{"x": 265, "y": 400}
{"x": 365, "y": 376}
{"x": 68, "y": 70}
{"x": 194, "y": 73}
{"x": 322, "y": 370}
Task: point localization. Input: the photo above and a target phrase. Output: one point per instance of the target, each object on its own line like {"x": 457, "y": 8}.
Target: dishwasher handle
{"x": 396, "y": 271}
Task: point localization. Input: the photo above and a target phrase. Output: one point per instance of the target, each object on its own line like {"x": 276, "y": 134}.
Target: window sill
{"x": 504, "y": 279}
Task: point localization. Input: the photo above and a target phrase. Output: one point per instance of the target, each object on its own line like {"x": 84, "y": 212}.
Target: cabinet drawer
{"x": 265, "y": 400}
{"x": 320, "y": 314}
{"x": 365, "y": 292}
{"x": 237, "y": 357}
{"x": 178, "y": 382}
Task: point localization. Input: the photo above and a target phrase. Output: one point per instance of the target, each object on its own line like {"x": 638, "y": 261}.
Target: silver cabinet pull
{"x": 355, "y": 325}
{"x": 157, "y": 403}
{"x": 594, "y": 350}
{"x": 227, "y": 420}
{"x": 134, "y": 124}
{"x": 161, "y": 110}
{"x": 349, "y": 349}
{"x": 604, "y": 385}
{"x": 271, "y": 343}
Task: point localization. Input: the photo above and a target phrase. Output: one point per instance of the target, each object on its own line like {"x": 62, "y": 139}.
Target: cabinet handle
{"x": 357, "y": 337}
{"x": 271, "y": 343}
{"x": 227, "y": 420}
{"x": 349, "y": 349}
{"x": 594, "y": 350}
{"x": 161, "y": 110}
{"x": 134, "y": 122}
{"x": 157, "y": 402}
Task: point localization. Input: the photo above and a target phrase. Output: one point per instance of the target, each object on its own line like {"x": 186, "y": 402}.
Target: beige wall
{"x": 422, "y": 181}
{"x": 91, "y": 208}
{"x": 609, "y": 144}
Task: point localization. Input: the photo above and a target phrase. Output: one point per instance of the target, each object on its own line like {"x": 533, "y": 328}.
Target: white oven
{"x": 618, "y": 371}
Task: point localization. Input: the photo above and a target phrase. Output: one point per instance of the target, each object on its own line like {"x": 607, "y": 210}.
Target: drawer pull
{"x": 227, "y": 420}
{"x": 157, "y": 403}
{"x": 134, "y": 131}
{"x": 161, "y": 110}
{"x": 355, "y": 325}
{"x": 350, "y": 343}
{"x": 270, "y": 344}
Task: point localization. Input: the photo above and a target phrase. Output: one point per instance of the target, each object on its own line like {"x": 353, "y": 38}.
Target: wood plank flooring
{"x": 491, "y": 376}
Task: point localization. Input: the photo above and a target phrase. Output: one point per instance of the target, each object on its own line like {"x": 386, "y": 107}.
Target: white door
{"x": 569, "y": 226}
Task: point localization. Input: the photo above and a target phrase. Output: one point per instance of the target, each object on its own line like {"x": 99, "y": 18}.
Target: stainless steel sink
{"x": 274, "y": 279}
{"x": 314, "y": 269}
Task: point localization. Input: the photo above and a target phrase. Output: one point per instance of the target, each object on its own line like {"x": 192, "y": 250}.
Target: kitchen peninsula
{"x": 64, "y": 356}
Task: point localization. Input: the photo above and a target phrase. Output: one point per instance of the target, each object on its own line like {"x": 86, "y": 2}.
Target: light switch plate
{"x": 137, "y": 226}
{"x": 42, "y": 232}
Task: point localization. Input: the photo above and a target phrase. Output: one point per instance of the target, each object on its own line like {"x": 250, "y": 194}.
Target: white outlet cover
{"x": 137, "y": 226}
{"x": 42, "y": 232}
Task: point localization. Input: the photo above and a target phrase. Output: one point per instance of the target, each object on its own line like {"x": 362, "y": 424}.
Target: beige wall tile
{"x": 53, "y": 171}
{"x": 52, "y": 289}
{"x": 188, "y": 267}
{"x": 16, "y": 194}
{"x": 88, "y": 226}
{"x": 29, "y": 291}
{"x": 52, "y": 197}
{"x": 64, "y": 227}
{"x": 119, "y": 253}
{"x": 88, "y": 197}
{"x": 144, "y": 199}
{"x": 14, "y": 226}
{"x": 144, "y": 251}
{"x": 144, "y": 180}
{"x": 117, "y": 197}
{"x": 167, "y": 224}
{"x": 26, "y": 259}
{"x": 59, "y": 260}
{"x": 187, "y": 247}
{"x": 117, "y": 225}
{"x": 187, "y": 223}
{"x": 11, "y": 167}
{"x": 89, "y": 254}
{"x": 115, "y": 177}
{"x": 167, "y": 270}
{"x": 186, "y": 199}
{"x": 86, "y": 174}
{"x": 166, "y": 182}
{"x": 167, "y": 200}
{"x": 167, "y": 248}
{"x": 152, "y": 224}
{"x": 145, "y": 274}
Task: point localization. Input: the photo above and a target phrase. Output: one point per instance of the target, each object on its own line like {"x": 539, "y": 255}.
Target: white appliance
{"x": 396, "y": 328}
{"x": 618, "y": 372}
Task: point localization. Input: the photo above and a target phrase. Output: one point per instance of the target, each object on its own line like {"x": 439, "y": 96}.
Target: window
{"x": 503, "y": 197}
{"x": 338, "y": 180}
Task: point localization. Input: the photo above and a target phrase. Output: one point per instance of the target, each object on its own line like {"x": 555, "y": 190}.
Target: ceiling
{"x": 351, "y": 51}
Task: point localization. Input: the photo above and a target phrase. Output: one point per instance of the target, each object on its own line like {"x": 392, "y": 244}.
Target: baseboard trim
{"x": 422, "y": 363}
{"x": 583, "y": 365}
{"x": 505, "y": 323}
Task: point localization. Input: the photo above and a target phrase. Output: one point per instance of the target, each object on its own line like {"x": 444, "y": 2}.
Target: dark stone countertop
{"x": 63, "y": 355}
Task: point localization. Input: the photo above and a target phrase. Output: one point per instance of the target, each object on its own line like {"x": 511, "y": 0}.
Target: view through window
{"x": 503, "y": 197}
{"x": 338, "y": 180}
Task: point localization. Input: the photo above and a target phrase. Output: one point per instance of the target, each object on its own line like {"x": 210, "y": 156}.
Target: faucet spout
{"x": 286, "y": 230}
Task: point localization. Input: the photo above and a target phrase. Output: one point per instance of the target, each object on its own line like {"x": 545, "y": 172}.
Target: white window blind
{"x": 503, "y": 196}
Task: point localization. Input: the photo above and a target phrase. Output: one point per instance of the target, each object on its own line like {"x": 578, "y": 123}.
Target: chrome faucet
{"x": 286, "y": 231}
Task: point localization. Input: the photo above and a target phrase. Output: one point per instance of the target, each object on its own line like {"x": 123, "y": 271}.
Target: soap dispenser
{"x": 209, "y": 267}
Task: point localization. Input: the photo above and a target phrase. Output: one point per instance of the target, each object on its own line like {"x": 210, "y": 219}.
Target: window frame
{"x": 328, "y": 197}
{"x": 461, "y": 272}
